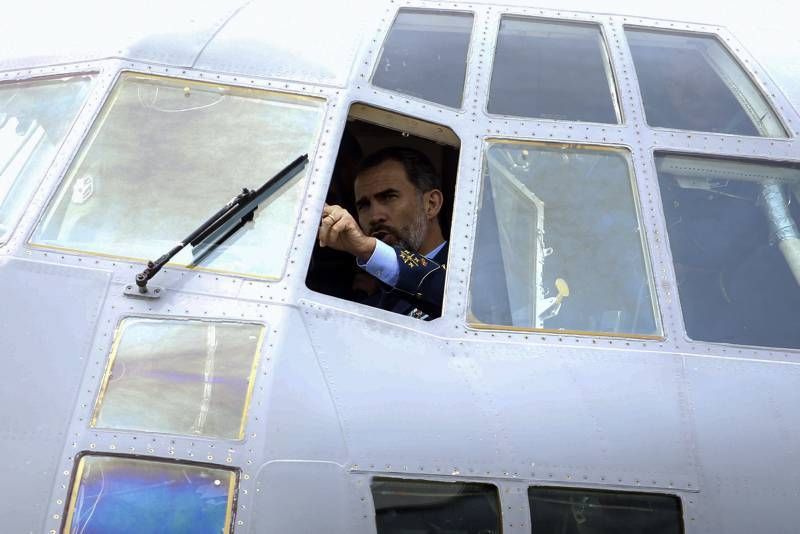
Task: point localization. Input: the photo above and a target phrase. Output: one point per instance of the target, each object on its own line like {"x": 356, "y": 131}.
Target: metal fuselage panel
{"x": 342, "y": 392}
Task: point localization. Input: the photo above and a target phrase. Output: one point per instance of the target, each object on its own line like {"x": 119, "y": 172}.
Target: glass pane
{"x": 578, "y": 511}
{"x": 165, "y": 154}
{"x": 35, "y": 117}
{"x": 690, "y": 82}
{"x": 733, "y": 231}
{"x": 559, "y": 243}
{"x": 425, "y": 55}
{"x": 552, "y": 70}
{"x": 180, "y": 377}
{"x": 423, "y": 507}
{"x": 126, "y": 495}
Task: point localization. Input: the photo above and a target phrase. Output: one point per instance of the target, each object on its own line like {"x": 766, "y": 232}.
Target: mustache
{"x": 382, "y": 228}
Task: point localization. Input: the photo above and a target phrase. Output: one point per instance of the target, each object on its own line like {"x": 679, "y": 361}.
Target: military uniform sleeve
{"x": 420, "y": 277}
{"x": 383, "y": 264}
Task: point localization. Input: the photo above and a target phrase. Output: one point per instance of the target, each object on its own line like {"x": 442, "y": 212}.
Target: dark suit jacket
{"x": 420, "y": 286}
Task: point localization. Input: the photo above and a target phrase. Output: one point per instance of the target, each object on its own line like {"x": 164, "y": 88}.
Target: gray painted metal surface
{"x": 345, "y": 392}
{"x": 48, "y": 320}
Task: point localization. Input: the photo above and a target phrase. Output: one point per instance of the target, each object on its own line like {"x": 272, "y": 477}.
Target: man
{"x": 398, "y": 238}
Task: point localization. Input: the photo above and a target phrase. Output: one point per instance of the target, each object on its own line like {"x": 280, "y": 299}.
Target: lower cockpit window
{"x": 735, "y": 239}
{"x": 578, "y": 511}
{"x": 35, "y": 117}
{"x": 179, "y": 377}
{"x": 129, "y": 495}
{"x": 167, "y": 153}
{"x": 559, "y": 244}
{"x": 405, "y": 506}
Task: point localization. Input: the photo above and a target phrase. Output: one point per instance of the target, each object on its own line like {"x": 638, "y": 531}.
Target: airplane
{"x": 619, "y": 342}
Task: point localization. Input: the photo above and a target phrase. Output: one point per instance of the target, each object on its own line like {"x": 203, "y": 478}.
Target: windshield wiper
{"x": 224, "y": 223}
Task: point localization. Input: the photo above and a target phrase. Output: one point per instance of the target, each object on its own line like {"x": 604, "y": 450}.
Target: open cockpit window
{"x": 130, "y": 495}
{"x": 405, "y": 506}
{"x": 35, "y": 117}
{"x": 179, "y": 377}
{"x": 552, "y": 70}
{"x": 167, "y": 153}
{"x": 691, "y": 82}
{"x": 425, "y": 55}
{"x": 393, "y": 181}
{"x": 734, "y": 232}
{"x": 578, "y": 511}
{"x": 559, "y": 243}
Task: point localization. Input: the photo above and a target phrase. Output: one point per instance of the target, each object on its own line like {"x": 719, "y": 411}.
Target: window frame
{"x": 94, "y": 75}
{"x": 646, "y": 250}
{"x": 103, "y": 106}
{"x": 126, "y": 321}
{"x": 608, "y": 66}
{"x": 743, "y": 66}
{"x": 452, "y": 481}
{"x": 607, "y": 490}
{"x": 664, "y": 151}
{"x": 470, "y": 49}
{"x": 74, "y": 483}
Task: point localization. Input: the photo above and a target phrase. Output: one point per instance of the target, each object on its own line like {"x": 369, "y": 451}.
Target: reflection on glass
{"x": 165, "y": 154}
{"x": 559, "y": 244}
{"x": 420, "y": 506}
{"x": 425, "y": 55}
{"x": 690, "y": 82}
{"x": 734, "y": 234}
{"x": 126, "y": 495}
{"x": 578, "y": 511}
{"x": 180, "y": 377}
{"x": 552, "y": 70}
{"x": 35, "y": 116}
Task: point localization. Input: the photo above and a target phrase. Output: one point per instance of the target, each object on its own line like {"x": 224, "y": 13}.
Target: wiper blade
{"x": 225, "y": 222}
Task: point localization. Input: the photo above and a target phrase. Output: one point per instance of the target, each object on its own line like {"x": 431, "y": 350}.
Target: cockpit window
{"x": 130, "y": 495}
{"x": 405, "y": 506}
{"x": 552, "y": 70}
{"x": 576, "y": 510}
{"x": 165, "y": 154}
{"x": 559, "y": 245}
{"x": 733, "y": 230}
{"x": 425, "y": 55}
{"x": 179, "y": 377}
{"x": 690, "y": 82}
{"x": 35, "y": 117}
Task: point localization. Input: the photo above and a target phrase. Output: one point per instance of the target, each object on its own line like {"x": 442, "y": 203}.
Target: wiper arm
{"x": 225, "y": 222}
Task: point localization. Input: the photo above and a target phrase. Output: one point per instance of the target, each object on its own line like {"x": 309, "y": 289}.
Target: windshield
{"x": 165, "y": 154}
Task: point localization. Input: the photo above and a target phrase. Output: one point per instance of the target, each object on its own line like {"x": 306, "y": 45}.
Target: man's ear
{"x": 433, "y": 200}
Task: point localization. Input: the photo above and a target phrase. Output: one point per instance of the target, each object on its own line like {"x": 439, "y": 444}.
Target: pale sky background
{"x": 49, "y": 29}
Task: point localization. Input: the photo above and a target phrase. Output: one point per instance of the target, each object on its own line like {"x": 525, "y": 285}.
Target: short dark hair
{"x": 418, "y": 167}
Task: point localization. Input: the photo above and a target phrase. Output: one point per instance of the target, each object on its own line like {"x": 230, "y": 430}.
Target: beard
{"x": 408, "y": 237}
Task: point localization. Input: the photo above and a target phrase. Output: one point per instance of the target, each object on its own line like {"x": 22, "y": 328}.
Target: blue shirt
{"x": 383, "y": 262}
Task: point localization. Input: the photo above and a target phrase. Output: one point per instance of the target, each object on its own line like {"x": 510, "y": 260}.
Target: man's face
{"x": 389, "y": 207}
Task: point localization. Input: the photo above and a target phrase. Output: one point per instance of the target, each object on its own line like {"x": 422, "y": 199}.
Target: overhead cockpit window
{"x": 179, "y": 377}
{"x": 575, "y": 511}
{"x": 559, "y": 244}
{"x": 734, "y": 231}
{"x": 425, "y": 55}
{"x": 405, "y": 506}
{"x": 690, "y": 82}
{"x": 165, "y": 154}
{"x": 552, "y": 70}
{"x": 130, "y": 495}
{"x": 35, "y": 117}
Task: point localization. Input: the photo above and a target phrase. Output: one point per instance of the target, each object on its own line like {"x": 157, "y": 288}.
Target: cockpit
{"x": 657, "y": 204}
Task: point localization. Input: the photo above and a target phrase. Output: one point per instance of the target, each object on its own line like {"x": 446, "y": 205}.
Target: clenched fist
{"x": 339, "y": 230}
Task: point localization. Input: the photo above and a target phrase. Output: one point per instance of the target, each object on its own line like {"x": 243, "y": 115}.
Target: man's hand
{"x": 339, "y": 230}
